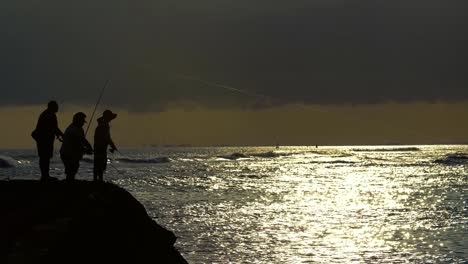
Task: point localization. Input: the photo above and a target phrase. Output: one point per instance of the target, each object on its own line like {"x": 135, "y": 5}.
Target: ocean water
{"x": 373, "y": 204}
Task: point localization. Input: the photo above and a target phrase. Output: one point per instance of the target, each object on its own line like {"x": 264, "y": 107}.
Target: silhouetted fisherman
{"x": 102, "y": 139}
{"x": 44, "y": 135}
{"x": 74, "y": 146}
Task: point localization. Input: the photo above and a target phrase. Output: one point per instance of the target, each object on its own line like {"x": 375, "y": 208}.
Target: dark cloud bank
{"x": 321, "y": 51}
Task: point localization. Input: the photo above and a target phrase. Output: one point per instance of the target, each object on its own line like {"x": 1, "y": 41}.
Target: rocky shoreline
{"x": 79, "y": 222}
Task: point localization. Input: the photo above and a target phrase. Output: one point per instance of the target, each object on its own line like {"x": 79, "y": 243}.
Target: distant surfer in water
{"x": 102, "y": 139}
{"x": 74, "y": 146}
{"x": 44, "y": 135}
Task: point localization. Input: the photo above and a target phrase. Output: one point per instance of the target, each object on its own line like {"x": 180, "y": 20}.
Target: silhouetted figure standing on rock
{"x": 102, "y": 139}
{"x": 44, "y": 135}
{"x": 74, "y": 146}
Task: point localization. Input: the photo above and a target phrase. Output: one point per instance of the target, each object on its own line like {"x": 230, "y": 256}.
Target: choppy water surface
{"x": 296, "y": 204}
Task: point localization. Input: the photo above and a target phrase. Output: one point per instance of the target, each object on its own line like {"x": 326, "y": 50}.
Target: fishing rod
{"x": 95, "y": 107}
{"x": 92, "y": 116}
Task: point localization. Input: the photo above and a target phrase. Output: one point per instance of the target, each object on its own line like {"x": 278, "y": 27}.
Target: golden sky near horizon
{"x": 390, "y": 123}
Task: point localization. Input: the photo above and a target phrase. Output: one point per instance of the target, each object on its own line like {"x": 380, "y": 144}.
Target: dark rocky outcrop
{"x": 80, "y": 222}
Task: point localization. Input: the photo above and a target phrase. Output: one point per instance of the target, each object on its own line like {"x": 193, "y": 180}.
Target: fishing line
{"x": 110, "y": 163}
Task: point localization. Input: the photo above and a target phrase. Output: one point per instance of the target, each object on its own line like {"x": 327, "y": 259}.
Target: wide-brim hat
{"x": 108, "y": 115}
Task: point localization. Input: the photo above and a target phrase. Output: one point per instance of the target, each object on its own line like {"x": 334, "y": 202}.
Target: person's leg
{"x": 103, "y": 167}
{"x": 95, "y": 168}
{"x": 74, "y": 166}
{"x": 45, "y": 151}
{"x": 68, "y": 164}
{"x": 101, "y": 173}
{"x": 44, "y": 163}
{"x": 100, "y": 160}
{"x": 98, "y": 175}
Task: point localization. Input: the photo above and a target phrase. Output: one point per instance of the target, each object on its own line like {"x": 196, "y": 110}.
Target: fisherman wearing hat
{"x": 102, "y": 139}
{"x": 74, "y": 146}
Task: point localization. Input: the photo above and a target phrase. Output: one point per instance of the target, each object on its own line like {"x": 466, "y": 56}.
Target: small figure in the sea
{"x": 74, "y": 146}
{"x": 44, "y": 135}
{"x": 102, "y": 139}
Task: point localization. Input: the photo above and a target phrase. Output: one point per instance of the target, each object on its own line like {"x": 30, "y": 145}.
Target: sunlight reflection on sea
{"x": 303, "y": 204}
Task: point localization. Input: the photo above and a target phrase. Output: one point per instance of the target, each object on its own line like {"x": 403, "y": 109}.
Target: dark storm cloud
{"x": 349, "y": 51}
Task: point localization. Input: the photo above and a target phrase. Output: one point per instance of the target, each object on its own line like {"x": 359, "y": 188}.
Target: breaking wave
{"x": 387, "y": 149}
{"x": 25, "y": 156}
{"x": 233, "y": 156}
{"x": 269, "y": 154}
{"x": 133, "y": 160}
{"x": 335, "y": 162}
{"x": 137, "y": 160}
{"x": 453, "y": 159}
{"x": 7, "y": 162}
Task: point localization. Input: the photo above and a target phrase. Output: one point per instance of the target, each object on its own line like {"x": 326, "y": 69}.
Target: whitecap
{"x": 140, "y": 160}
{"x": 453, "y": 159}
{"x": 387, "y": 149}
{"x": 7, "y": 162}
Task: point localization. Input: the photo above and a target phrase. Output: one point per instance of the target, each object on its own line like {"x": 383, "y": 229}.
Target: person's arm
{"x": 88, "y": 149}
{"x": 113, "y": 147}
{"x": 110, "y": 142}
{"x": 58, "y": 133}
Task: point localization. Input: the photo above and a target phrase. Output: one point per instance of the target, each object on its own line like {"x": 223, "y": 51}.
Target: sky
{"x": 237, "y": 62}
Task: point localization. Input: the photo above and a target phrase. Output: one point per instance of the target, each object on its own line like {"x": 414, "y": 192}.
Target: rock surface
{"x": 79, "y": 222}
